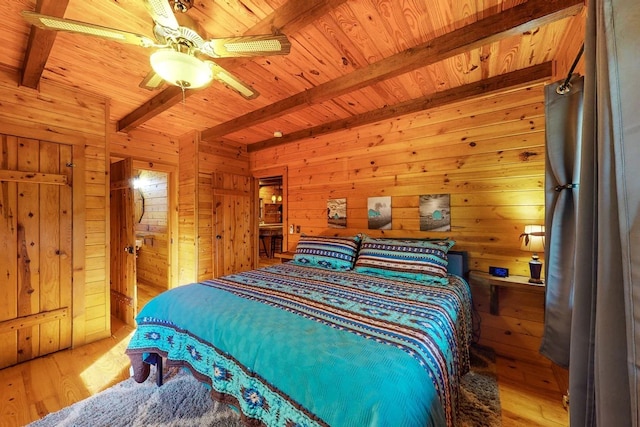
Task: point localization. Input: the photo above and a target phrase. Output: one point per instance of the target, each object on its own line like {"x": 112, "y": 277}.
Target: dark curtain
{"x": 600, "y": 291}
{"x": 563, "y": 113}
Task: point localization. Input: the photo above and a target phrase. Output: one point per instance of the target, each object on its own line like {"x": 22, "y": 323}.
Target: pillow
{"x": 332, "y": 253}
{"x": 419, "y": 260}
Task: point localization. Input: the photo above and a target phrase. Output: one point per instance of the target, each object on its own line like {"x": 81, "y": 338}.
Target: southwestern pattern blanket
{"x": 291, "y": 345}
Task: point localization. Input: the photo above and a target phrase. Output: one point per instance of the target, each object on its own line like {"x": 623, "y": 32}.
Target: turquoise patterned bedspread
{"x": 301, "y": 346}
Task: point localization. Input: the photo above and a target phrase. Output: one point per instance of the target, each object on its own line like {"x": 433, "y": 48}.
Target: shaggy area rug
{"x": 183, "y": 401}
{"x": 479, "y": 404}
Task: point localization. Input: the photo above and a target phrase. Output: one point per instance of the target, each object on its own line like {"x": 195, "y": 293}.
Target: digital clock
{"x": 499, "y": 271}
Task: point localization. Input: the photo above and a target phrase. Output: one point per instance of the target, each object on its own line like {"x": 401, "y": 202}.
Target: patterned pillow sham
{"x": 417, "y": 260}
{"x": 329, "y": 252}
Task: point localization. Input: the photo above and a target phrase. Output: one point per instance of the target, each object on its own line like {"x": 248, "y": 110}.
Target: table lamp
{"x": 533, "y": 241}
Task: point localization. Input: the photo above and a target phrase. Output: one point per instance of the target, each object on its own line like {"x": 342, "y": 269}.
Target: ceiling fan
{"x": 179, "y": 48}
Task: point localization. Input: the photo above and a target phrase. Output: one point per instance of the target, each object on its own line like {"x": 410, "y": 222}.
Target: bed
{"x": 354, "y": 331}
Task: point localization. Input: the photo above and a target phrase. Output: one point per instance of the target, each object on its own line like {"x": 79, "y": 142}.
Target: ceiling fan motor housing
{"x": 182, "y": 5}
{"x": 182, "y": 36}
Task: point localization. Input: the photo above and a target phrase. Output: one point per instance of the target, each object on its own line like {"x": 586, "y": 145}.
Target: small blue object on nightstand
{"x": 499, "y": 271}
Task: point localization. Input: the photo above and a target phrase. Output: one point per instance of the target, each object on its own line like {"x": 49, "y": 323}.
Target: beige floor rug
{"x": 182, "y": 401}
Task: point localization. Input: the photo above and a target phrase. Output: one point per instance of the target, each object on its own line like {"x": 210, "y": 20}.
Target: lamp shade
{"x": 181, "y": 69}
{"x": 532, "y": 239}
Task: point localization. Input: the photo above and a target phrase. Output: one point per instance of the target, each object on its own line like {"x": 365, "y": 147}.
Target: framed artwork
{"x": 435, "y": 212}
{"x": 337, "y": 213}
{"x": 379, "y": 213}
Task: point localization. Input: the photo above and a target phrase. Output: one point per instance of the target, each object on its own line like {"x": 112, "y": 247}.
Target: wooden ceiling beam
{"x": 516, "y": 20}
{"x": 40, "y": 43}
{"x": 290, "y": 18}
{"x": 513, "y": 80}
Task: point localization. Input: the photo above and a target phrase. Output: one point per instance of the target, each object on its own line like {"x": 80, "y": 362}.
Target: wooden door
{"x": 233, "y": 219}
{"x": 123, "y": 254}
{"x": 35, "y": 248}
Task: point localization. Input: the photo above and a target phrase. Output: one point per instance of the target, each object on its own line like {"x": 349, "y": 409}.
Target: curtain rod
{"x": 565, "y": 87}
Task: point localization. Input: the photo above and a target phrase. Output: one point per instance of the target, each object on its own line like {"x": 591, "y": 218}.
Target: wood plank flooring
{"x": 530, "y": 394}
{"x": 30, "y": 390}
{"x": 146, "y": 291}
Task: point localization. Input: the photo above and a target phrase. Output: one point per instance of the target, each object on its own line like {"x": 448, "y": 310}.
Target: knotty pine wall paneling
{"x": 516, "y": 331}
{"x": 205, "y": 225}
{"x": 216, "y": 160}
{"x": 199, "y": 161}
{"x": 144, "y": 145}
{"x": 152, "y": 201}
{"x": 69, "y": 116}
{"x": 487, "y": 153}
{"x": 154, "y": 153}
{"x": 187, "y": 211}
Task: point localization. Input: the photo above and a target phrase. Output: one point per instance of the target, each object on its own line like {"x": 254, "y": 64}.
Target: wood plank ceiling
{"x": 352, "y": 62}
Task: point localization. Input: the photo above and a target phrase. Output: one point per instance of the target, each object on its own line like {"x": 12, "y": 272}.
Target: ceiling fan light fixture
{"x": 181, "y": 69}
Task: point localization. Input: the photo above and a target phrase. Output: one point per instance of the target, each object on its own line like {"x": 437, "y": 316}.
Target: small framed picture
{"x": 379, "y": 213}
{"x": 435, "y": 212}
{"x": 337, "y": 213}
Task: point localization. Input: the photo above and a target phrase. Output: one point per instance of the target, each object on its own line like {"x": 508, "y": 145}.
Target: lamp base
{"x": 535, "y": 268}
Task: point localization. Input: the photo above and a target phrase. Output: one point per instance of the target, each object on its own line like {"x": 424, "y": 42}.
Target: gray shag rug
{"x": 479, "y": 404}
{"x": 183, "y": 401}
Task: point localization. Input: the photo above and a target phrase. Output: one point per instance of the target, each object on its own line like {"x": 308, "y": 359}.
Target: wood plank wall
{"x": 487, "y": 153}
{"x": 69, "y": 116}
{"x": 187, "y": 209}
{"x": 198, "y": 162}
{"x": 144, "y": 145}
{"x": 205, "y": 224}
{"x": 152, "y": 262}
{"x": 155, "y": 153}
{"x": 214, "y": 158}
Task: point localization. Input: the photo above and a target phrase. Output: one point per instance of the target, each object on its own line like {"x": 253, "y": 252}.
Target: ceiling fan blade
{"x": 162, "y": 13}
{"x": 152, "y": 81}
{"x": 68, "y": 25}
{"x": 232, "y": 82}
{"x": 247, "y": 46}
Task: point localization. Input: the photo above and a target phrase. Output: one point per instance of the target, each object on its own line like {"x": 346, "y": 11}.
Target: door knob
{"x": 129, "y": 249}
{"x": 218, "y": 236}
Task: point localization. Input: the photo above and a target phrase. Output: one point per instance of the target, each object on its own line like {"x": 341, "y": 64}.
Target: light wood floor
{"x": 146, "y": 291}
{"x": 529, "y": 394}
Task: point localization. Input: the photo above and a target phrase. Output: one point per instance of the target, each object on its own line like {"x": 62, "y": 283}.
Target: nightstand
{"x": 494, "y": 283}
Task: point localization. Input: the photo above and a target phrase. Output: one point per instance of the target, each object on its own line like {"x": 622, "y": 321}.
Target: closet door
{"x": 35, "y": 248}
{"x": 233, "y": 218}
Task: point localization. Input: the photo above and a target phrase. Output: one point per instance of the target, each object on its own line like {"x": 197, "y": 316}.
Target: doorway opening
{"x": 152, "y": 246}
{"x": 271, "y": 232}
{"x": 143, "y": 221}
